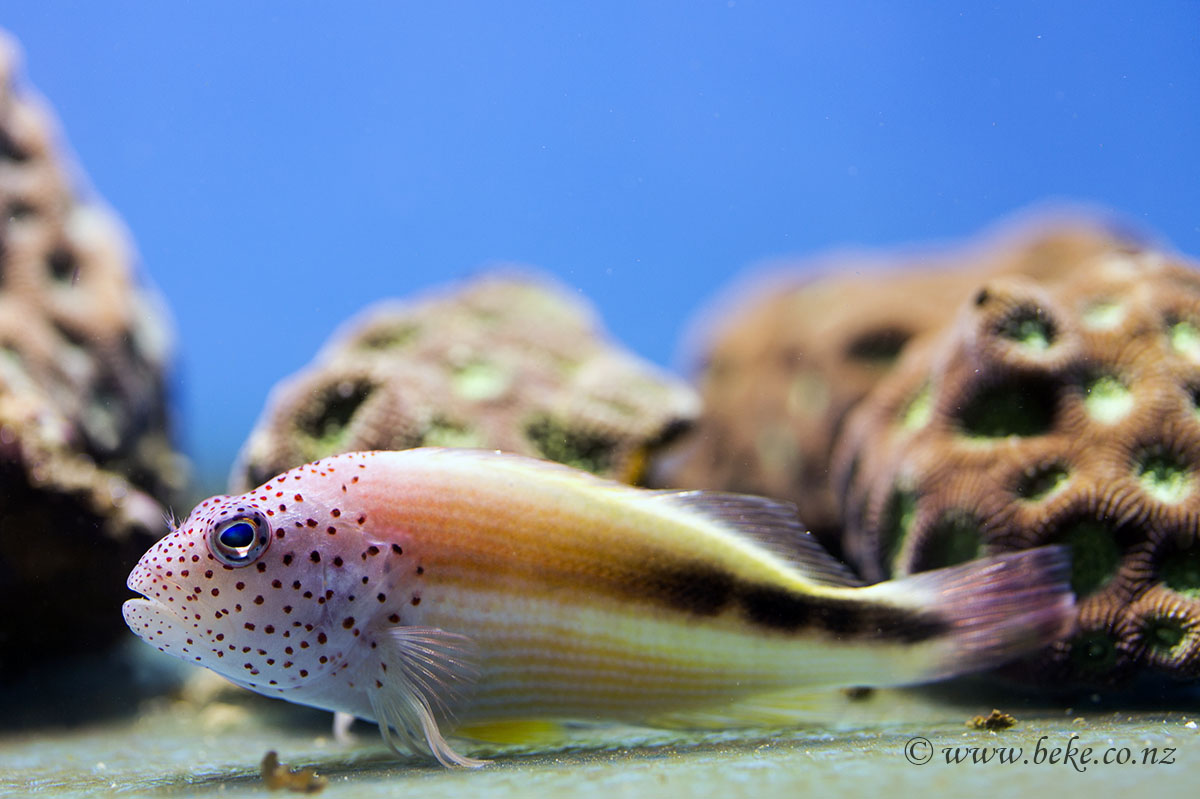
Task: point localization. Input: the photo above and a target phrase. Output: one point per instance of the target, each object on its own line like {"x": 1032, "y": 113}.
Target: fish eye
{"x": 239, "y": 541}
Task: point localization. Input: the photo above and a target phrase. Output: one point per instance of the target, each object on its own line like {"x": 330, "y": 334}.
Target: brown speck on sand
{"x": 992, "y": 721}
{"x": 279, "y": 777}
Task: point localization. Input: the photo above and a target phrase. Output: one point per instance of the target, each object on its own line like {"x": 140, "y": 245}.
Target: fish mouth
{"x": 147, "y": 617}
{"x": 154, "y": 622}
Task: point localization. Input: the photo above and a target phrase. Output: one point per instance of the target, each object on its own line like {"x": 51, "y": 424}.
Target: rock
{"x": 503, "y": 362}
{"x": 86, "y": 460}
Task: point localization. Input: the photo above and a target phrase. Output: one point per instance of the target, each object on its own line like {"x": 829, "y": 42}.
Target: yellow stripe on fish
{"x": 430, "y": 587}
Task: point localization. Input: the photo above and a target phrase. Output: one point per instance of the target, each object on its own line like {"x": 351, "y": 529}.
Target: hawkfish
{"x": 431, "y": 587}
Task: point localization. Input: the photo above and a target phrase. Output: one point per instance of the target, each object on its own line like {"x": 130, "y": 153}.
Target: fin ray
{"x": 773, "y": 525}
{"x": 995, "y": 609}
{"x": 424, "y": 676}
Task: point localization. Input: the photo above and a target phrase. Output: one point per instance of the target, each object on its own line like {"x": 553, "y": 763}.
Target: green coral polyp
{"x": 1107, "y": 399}
{"x": 1015, "y": 407}
{"x": 556, "y": 442}
{"x": 898, "y": 516}
{"x": 446, "y": 433}
{"x": 1164, "y": 634}
{"x": 1093, "y": 652}
{"x": 955, "y": 538}
{"x": 481, "y": 380}
{"x": 338, "y": 406}
{"x": 1095, "y": 556}
{"x": 919, "y": 410}
{"x": 1043, "y": 482}
{"x": 1030, "y": 328}
{"x": 1103, "y": 315}
{"x": 1185, "y": 338}
{"x": 1181, "y": 572}
{"x": 1164, "y": 477}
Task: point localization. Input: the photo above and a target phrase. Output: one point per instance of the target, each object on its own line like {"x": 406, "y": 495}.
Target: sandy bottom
{"x": 201, "y": 740}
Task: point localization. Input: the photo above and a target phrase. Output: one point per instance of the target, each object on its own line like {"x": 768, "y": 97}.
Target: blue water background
{"x": 282, "y": 164}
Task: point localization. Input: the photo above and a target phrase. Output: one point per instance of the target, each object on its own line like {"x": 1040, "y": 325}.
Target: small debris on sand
{"x": 279, "y": 777}
{"x": 992, "y": 721}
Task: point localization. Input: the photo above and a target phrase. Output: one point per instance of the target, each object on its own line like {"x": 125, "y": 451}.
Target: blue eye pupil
{"x": 237, "y": 536}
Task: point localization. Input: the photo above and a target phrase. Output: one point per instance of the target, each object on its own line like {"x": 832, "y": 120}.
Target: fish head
{"x": 269, "y": 590}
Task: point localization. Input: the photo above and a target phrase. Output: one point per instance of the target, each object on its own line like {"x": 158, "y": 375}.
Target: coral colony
{"x": 502, "y": 363}
{"x": 1055, "y": 411}
{"x": 85, "y": 458}
{"x": 1051, "y": 399}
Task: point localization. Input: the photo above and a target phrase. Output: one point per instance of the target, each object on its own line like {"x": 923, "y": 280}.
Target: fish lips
{"x": 151, "y": 620}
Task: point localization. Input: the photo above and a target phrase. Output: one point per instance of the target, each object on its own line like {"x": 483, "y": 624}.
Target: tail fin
{"x": 996, "y": 609}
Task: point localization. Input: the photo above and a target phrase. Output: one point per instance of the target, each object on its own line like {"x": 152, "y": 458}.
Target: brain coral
{"x": 1061, "y": 410}
{"x": 84, "y": 446}
{"x": 791, "y": 359}
{"x": 504, "y": 362}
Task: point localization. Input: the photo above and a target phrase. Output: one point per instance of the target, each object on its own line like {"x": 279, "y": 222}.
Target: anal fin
{"x": 789, "y": 708}
{"x": 530, "y": 732}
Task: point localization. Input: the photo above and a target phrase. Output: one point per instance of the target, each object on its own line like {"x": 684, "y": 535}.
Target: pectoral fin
{"x": 418, "y": 679}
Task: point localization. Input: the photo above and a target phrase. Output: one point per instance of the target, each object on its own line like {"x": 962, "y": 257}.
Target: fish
{"x": 434, "y": 587}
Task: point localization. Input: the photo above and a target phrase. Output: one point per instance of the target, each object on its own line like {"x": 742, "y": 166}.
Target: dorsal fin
{"x": 771, "y": 524}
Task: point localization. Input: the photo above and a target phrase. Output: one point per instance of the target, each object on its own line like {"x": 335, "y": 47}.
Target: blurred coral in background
{"x": 86, "y": 460}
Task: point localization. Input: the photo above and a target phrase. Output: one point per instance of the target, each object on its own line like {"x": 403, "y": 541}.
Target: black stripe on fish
{"x": 697, "y": 589}
{"x": 780, "y": 609}
{"x": 701, "y": 590}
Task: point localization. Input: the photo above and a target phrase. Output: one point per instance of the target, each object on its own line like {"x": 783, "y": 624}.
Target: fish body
{"x": 428, "y": 587}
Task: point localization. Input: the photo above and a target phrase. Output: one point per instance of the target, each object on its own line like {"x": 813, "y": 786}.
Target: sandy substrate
{"x": 140, "y": 742}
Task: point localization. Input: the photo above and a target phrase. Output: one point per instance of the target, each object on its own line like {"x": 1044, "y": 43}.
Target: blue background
{"x": 281, "y": 165}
